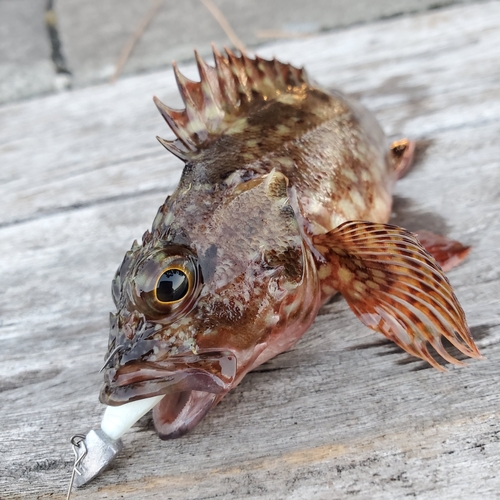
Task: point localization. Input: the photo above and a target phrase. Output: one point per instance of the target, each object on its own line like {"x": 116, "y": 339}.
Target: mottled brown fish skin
{"x": 258, "y": 234}
{"x": 331, "y": 149}
{"x": 333, "y": 152}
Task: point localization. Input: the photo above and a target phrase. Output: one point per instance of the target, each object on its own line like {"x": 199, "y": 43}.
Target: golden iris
{"x": 166, "y": 283}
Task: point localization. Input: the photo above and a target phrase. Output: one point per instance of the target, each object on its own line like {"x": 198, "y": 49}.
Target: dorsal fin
{"x": 224, "y": 95}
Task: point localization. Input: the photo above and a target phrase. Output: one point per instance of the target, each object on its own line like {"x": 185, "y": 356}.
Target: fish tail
{"x": 395, "y": 287}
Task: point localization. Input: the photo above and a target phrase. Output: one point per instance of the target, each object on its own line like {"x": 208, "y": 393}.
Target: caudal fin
{"x": 395, "y": 287}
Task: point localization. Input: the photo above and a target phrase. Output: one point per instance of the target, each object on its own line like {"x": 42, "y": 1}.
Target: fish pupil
{"x": 173, "y": 285}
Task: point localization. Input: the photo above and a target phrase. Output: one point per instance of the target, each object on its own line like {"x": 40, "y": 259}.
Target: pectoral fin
{"x": 395, "y": 287}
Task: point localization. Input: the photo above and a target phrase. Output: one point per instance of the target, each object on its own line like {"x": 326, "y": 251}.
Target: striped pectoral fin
{"x": 395, "y": 287}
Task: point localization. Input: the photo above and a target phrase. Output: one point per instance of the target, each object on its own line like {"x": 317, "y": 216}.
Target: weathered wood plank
{"x": 344, "y": 413}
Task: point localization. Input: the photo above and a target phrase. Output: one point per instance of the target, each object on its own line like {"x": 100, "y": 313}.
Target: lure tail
{"x": 395, "y": 287}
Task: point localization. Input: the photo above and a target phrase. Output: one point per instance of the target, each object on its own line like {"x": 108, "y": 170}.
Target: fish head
{"x": 195, "y": 314}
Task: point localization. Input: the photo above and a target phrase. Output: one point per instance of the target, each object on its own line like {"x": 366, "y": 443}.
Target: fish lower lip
{"x": 213, "y": 373}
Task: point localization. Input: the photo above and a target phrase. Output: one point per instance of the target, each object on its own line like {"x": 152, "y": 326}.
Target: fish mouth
{"x": 210, "y": 372}
{"x": 192, "y": 385}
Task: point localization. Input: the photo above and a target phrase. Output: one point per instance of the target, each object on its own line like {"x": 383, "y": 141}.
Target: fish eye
{"x": 172, "y": 285}
{"x": 167, "y": 283}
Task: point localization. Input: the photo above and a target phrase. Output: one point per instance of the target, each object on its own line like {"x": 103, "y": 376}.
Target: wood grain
{"x": 343, "y": 415}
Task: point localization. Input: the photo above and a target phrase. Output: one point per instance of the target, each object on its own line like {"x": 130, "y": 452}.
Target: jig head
{"x": 95, "y": 451}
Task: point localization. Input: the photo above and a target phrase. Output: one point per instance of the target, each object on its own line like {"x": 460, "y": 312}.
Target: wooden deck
{"x": 344, "y": 414}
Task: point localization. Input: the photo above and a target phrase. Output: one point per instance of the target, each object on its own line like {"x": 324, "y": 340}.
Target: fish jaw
{"x": 191, "y": 385}
{"x": 211, "y": 372}
{"x": 178, "y": 413}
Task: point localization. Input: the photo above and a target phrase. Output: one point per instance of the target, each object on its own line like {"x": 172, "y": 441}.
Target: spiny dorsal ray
{"x": 224, "y": 94}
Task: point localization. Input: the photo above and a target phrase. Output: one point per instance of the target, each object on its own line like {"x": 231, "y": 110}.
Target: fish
{"x": 283, "y": 202}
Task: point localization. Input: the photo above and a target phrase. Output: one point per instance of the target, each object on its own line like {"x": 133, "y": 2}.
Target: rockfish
{"x": 283, "y": 202}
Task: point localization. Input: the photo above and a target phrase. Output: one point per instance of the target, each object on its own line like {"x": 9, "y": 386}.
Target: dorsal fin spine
{"x": 191, "y": 95}
{"x": 224, "y": 95}
{"x": 240, "y": 76}
{"x": 176, "y": 120}
{"x": 227, "y": 83}
{"x": 189, "y": 89}
{"x": 212, "y": 96}
{"x": 174, "y": 148}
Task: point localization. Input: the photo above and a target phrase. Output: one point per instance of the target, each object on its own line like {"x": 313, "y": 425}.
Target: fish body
{"x": 282, "y": 203}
